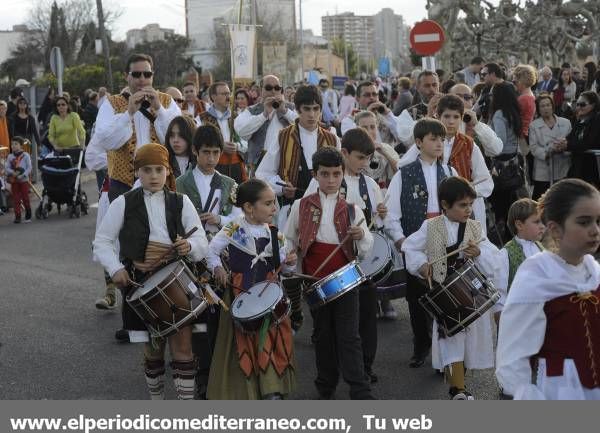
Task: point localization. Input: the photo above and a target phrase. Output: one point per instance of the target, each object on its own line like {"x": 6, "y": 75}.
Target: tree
{"x": 77, "y": 78}
{"x": 337, "y": 47}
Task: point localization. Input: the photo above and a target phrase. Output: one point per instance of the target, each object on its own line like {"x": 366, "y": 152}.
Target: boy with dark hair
{"x": 413, "y": 199}
{"x": 316, "y": 226}
{"x": 362, "y": 191}
{"x": 471, "y": 348}
{"x": 287, "y": 168}
{"x": 140, "y": 225}
{"x": 206, "y": 187}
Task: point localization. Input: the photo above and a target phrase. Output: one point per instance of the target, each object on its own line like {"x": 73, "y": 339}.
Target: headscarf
{"x": 155, "y": 154}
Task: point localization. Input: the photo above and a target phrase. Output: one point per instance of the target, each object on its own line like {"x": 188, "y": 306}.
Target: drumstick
{"x": 172, "y": 248}
{"x": 35, "y": 190}
{"x": 287, "y": 186}
{"x": 272, "y": 280}
{"x": 214, "y": 203}
{"x": 309, "y": 277}
{"x": 454, "y": 252}
{"x": 336, "y": 250}
{"x": 478, "y": 182}
{"x": 385, "y": 199}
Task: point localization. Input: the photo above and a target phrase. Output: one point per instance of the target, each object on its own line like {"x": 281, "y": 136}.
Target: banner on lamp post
{"x": 243, "y": 43}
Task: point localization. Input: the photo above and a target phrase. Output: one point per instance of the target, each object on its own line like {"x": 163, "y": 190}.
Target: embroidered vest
{"x": 256, "y": 143}
{"x": 573, "y": 332}
{"x": 199, "y": 107}
{"x": 437, "y": 242}
{"x": 133, "y": 237}
{"x": 290, "y": 150}
{"x": 310, "y": 213}
{"x": 120, "y": 161}
{"x": 516, "y": 256}
{"x": 186, "y": 184}
{"x": 460, "y": 157}
{"x": 414, "y": 195}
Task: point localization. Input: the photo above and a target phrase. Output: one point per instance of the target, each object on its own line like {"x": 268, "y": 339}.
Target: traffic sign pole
{"x": 57, "y": 65}
{"x": 427, "y": 38}
{"x": 428, "y": 63}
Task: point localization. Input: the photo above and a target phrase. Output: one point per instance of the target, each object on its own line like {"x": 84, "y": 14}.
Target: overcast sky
{"x": 170, "y": 13}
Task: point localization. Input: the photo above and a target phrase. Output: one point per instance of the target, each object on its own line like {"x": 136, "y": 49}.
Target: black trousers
{"x": 420, "y": 321}
{"x": 203, "y": 345}
{"x": 367, "y": 323}
{"x": 338, "y": 347}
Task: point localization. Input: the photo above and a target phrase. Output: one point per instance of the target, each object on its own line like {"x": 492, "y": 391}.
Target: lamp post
{"x": 301, "y": 42}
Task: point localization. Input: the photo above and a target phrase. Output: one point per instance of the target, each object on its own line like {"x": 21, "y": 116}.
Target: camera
{"x": 467, "y": 118}
{"x": 275, "y": 105}
{"x": 381, "y": 109}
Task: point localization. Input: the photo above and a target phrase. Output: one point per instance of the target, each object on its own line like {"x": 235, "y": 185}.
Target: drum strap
{"x": 215, "y": 184}
{"x": 275, "y": 246}
{"x": 460, "y": 237}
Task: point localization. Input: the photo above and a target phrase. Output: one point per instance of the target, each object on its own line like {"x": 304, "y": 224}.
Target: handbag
{"x": 507, "y": 174}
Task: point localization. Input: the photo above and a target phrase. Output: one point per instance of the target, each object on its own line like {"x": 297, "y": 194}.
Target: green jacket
{"x": 187, "y": 185}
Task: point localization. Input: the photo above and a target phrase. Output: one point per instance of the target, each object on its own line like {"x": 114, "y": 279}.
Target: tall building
{"x": 148, "y": 33}
{"x": 391, "y": 36}
{"x": 205, "y": 19}
{"x": 357, "y": 30}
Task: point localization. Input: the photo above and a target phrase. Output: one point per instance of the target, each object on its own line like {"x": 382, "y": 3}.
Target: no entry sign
{"x": 427, "y": 38}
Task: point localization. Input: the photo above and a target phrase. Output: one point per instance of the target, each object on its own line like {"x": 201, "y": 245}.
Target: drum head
{"x": 256, "y": 301}
{"x": 379, "y": 256}
{"x": 154, "y": 280}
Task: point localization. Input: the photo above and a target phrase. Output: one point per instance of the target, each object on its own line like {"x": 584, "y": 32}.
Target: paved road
{"x": 56, "y": 345}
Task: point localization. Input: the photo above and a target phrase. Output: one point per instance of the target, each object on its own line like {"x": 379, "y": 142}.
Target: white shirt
{"x": 393, "y": 225}
{"x": 182, "y": 162}
{"x": 353, "y": 193}
{"x": 95, "y": 155}
{"x": 327, "y": 232}
{"x": 256, "y": 231}
{"x": 530, "y": 248}
{"x": 389, "y": 120}
{"x": 106, "y": 249}
{"x": 541, "y": 278}
{"x": 269, "y": 167}
{"x": 203, "y": 186}
{"x": 247, "y": 124}
{"x": 225, "y": 131}
{"x": 479, "y": 172}
{"x": 415, "y": 255}
{"x": 113, "y": 130}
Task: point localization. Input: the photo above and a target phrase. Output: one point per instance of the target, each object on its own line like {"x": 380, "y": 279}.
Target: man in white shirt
{"x": 260, "y": 124}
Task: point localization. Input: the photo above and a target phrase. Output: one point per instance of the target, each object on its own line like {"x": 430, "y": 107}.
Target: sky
{"x": 170, "y": 13}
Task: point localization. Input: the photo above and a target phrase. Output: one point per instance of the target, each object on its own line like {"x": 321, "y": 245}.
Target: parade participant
{"x": 525, "y": 224}
{"x": 192, "y": 104}
{"x": 126, "y": 123}
{"x": 17, "y": 169}
{"x": 251, "y": 365}
{"x": 412, "y": 198}
{"x": 367, "y": 98}
{"x": 316, "y": 225}
{"x": 174, "y": 93}
{"x": 137, "y": 225}
{"x": 219, "y": 115}
{"x": 472, "y": 347}
{"x": 287, "y": 167}
{"x": 204, "y": 185}
{"x": 361, "y": 190}
{"x": 178, "y": 139}
{"x": 260, "y": 124}
{"x": 4, "y": 126}
{"x": 550, "y": 323}
{"x": 461, "y": 153}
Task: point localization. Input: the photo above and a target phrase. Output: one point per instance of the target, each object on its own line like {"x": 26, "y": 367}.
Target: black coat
{"x": 583, "y": 137}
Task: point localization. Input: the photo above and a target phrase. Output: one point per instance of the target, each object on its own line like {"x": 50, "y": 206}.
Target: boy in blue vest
{"x": 413, "y": 198}
{"x": 204, "y": 185}
{"x": 363, "y": 191}
{"x": 525, "y": 223}
{"x": 138, "y": 226}
{"x": 316, "y": 226}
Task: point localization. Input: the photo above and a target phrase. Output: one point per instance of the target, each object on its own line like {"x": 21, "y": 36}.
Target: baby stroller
{"x": 61, "y": 179}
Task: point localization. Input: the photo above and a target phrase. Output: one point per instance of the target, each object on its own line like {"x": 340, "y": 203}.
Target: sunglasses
{"x": 138, "y": 74}
{"x": 466, "y": 96}
{"x": 483, "y": 74}
{"x": 269, "y": 87}
{"x": 179, "y": 101}
{"x": 582, "y": 104}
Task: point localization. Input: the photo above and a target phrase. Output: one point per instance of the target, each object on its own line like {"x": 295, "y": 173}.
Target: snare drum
{"x": 262, "y": 301}
{"x": 335, "y": 285}
{"x": 168, "y": 300}
{"x": 378, "y": 265}
{"x": 463, "y": 297}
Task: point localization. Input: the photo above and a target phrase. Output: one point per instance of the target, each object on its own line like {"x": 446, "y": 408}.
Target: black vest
{"x": 133, "y": 237}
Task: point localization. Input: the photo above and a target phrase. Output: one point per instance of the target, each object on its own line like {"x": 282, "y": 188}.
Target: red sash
{"x": 317, "y": 253}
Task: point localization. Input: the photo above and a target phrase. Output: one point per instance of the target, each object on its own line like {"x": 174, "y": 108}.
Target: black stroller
{"x": 61, "y": 179}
